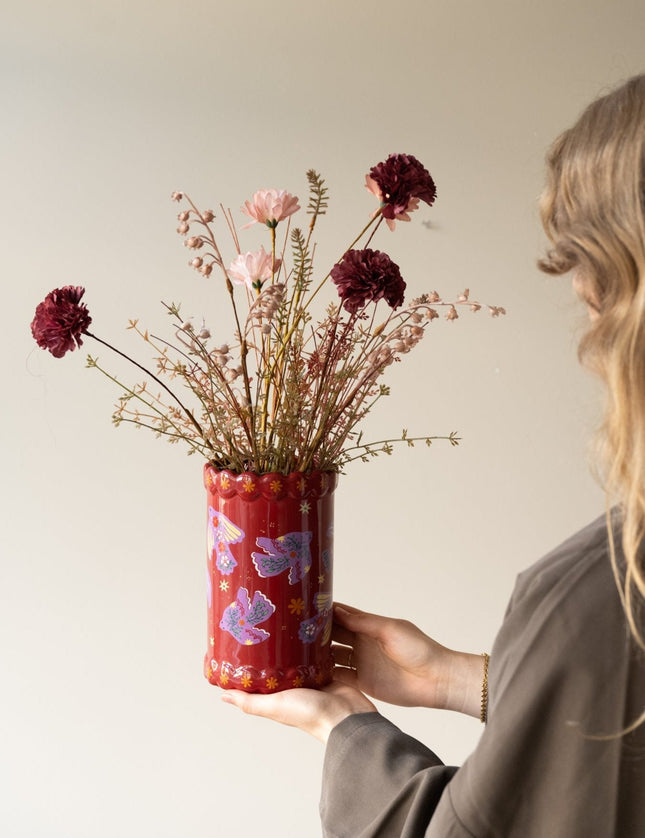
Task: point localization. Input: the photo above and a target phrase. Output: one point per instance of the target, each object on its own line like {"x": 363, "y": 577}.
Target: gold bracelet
{"x": 483, "y": 716}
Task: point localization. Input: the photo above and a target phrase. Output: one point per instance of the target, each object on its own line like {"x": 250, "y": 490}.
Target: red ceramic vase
{"x": 269, "y": 579}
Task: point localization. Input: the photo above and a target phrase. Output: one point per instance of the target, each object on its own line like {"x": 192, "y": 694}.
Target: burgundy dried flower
{"x": 400, "y": 182}
{"x": 367, "y": 275}
{"x": 60, "y": 320}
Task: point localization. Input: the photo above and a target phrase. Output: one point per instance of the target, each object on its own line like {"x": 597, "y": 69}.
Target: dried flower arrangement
{"x": 287, "y": 393}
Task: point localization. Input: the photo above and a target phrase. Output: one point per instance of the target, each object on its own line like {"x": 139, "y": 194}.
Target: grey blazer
{"x": 563, "y": 668}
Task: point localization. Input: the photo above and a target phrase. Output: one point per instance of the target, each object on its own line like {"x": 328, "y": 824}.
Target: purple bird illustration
{"x": 313, "y": 626}
{"x": 241, "y": 617}
{"x": 287, "y": 551}
{"x": 221, "y": 534}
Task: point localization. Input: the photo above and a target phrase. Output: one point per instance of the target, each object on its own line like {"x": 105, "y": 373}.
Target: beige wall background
{"x": 107, "y": 724}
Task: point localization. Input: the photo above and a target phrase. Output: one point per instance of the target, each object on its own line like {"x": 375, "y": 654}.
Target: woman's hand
{"x": 394, "y": 661}
{"x": 391, "y": 660}
{"x": 313, "y": 711}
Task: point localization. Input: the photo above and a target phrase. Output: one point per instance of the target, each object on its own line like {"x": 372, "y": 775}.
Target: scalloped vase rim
{"x": 270, "y": 485}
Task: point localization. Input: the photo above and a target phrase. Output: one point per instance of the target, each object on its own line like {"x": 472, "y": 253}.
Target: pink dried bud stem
{"x": 204, "y": 219}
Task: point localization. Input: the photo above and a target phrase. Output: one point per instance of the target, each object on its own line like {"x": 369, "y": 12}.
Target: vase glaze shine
{"x": 269, "y": 579}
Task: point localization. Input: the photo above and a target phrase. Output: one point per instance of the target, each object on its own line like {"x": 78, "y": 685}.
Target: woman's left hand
{"x": 314, "y": 711}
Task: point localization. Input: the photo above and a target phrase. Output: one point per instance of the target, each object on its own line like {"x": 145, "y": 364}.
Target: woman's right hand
{"x": 394, "y": 661}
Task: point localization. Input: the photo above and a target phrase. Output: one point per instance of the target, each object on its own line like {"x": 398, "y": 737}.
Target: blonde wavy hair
{"x": 593, "y": 211}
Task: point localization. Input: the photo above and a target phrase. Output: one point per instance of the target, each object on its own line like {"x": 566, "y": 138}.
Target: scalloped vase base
{"x": 229, "y": 677}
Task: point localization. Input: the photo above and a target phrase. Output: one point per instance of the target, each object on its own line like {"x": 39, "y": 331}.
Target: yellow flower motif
{"x": 224, "y": 481}
{"x": 248, "y": 642}
{"x": 276, "y": 485}
{"x": 296, "y": 606}
{"x": 272, "y": 683}
{"x": 321, "y": 579}
{"x": 246, "y": 680}
{"x": 209, "y": 673}
{"x": 212, "y": 640}
{"x": 249, "y": 486}
{"x": 223, "y": 678}
{"x": 305, "y": 506}
{"x": 223, "y": 585}
{"x": 298, "y": 681}
{"x": 320, "y": 678}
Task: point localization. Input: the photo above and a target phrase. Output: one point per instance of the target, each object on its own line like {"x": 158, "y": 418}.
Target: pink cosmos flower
{"x": 60, "y": 320}
{"x": 269, "y": 206}
{"x": 367, "y": 275}
{"x": 253, "y": 269}
{"x": 399, "y": 183}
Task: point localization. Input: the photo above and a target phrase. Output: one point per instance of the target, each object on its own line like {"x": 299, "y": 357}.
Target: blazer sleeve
{"x": 378, "y": 781}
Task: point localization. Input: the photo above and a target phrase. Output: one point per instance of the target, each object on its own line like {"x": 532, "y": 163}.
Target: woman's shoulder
{"x": 580, "y": 565}
{"x": 565, "y": 618}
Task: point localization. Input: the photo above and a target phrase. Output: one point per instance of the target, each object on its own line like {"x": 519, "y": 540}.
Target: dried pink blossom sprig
{"x": 283, "y": 391}
{"x": 354, "y": 392}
